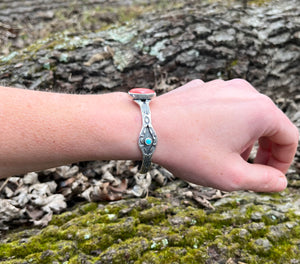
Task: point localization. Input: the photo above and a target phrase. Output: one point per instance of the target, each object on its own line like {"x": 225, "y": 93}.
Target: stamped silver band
{"x": 147, "y": 139}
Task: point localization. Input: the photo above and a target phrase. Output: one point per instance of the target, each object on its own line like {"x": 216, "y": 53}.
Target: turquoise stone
{"x": 148, "y": 141}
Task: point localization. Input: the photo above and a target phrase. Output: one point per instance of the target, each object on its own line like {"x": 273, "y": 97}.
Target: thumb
{"x": 258, "y": 177}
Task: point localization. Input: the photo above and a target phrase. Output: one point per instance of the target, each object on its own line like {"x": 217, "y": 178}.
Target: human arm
{"x": 205, "y": 133}
{"x": 41, "y": 130}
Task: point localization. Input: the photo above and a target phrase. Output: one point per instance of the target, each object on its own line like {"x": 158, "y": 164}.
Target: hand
{"x": 206, "y": 132}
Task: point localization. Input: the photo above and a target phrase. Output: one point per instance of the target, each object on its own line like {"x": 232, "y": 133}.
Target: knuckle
{"x": 241, "y": 83}
{"x": 217, "y": 82}
{"x": 196, "y": 82}
{"x": 267, "y": 100}
{"x": 266, "y": 105}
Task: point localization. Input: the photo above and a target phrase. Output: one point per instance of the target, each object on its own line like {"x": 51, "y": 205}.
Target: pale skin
{"x": 205, "y": 133}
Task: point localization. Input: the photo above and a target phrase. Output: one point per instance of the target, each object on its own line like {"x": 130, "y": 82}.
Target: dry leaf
{"x": 30, "y": 178}
{"x": 44, "y": 220}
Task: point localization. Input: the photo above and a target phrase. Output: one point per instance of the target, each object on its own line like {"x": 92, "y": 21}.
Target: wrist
{"x": 159, "y": 122}
{"x": 167, "y": 126}
{"x": 117, "y": 127}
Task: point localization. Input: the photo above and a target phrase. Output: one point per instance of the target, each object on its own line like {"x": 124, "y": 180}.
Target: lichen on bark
{"x": 156, "y": 230}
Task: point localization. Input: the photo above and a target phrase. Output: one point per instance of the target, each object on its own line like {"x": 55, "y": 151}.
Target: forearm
{"x": 41, "y": 130}
{"x": 205, "y": 133}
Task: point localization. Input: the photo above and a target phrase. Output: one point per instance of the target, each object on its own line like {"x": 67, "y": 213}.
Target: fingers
{"x": 278, "y": 145}
{"x": 278, "y": 142}
{"x": 284, "y": 144}
{"x": 275, "y": 155}
{"x": 256, "y": 177}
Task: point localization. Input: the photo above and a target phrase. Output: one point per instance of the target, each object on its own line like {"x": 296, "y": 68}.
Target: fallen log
{"x": 162, "y": 50}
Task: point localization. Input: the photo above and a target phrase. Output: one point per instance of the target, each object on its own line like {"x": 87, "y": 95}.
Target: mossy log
{"x": 244, "y": 228}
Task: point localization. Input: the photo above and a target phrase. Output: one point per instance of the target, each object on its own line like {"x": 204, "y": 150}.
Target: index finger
{"x": 278, "y": 145}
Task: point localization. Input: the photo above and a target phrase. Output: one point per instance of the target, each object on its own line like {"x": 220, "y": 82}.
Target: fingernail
{"x": 282, "y": 182}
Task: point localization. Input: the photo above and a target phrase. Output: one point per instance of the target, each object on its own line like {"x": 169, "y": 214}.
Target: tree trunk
{"x": 163, "y": 50}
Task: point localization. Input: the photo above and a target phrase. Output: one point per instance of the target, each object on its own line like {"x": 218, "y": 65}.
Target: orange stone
{"x": 141, "y": 91}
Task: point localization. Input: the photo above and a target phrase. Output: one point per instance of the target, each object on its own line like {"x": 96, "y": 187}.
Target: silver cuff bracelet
{"x": 147, "y": 138}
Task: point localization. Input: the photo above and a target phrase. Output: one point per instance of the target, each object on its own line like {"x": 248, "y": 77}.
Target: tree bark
{"x": 163, "y": 50}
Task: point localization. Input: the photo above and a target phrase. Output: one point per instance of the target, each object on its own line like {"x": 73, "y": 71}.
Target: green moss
{"x": 195, "y": 256}
{"x": 260, "y": 246}
{"x": 176, "y": 240}
{"x": 153, "y": 215}
{"x": 34, "y": 245}
{"x": 123, "y": 229}
{"x": 124, "y": 252}
{"x": 80, "y": 258}
{"x": 238, "y": 235}
{"x": 134, "y": 213}
{"x": 155, "y": 231}
{"x": 60, "y": 251}
{"x": 197, "y": 236}
{"x": 282, "y": 253}
{"x": 96, "y": 243}
{"x": 173, "y": 255}
{"x": 222, "y": 219}
{"x": 151, "y": 231}
{"x": 5, "y": 250}
{"x": 253, "y": 209}
{"x": 259, "y": 2}
{"x": 257, "y": 229}
{"x": 61, "y": 219}
{"x": 82, "y": 209}
{"x": 113, "y": 209}
{"x": 192, "y": 216}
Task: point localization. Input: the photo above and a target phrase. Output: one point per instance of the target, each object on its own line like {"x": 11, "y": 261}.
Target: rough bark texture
{"x": 203, "y": 41}
{"x": 23, "y": 22}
